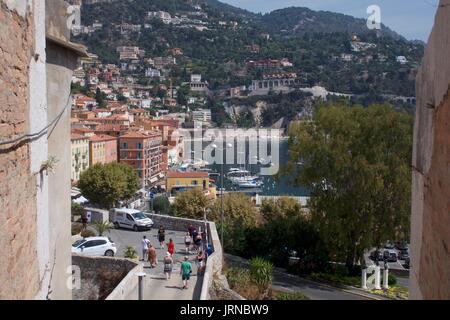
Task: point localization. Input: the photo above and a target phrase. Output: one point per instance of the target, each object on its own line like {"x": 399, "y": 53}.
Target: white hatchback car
{"x": 95, "y": 246}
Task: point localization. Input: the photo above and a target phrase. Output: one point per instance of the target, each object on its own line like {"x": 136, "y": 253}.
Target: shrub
{"x": 392, "y": 280}
{"x": 261, "y": 273}
{"x": 88, "y": 233}
{"x": 237, "y": 277}
{"x": 76, "y": 228}
{"x": 102, "y": 227}
{"x": 130, "y": 253}
{"x": 240, "y": 281}
{"x": 290, "y": 296}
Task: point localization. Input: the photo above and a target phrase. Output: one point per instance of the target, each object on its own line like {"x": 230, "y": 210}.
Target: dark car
{"x": 376, "y": 255}
{"x": 401, "y": 245}
{"x": 390, "y": 255}
{"x": 403, "y": 254}
{"x": 389, "y": 245}
{"x": 406, "y": 265}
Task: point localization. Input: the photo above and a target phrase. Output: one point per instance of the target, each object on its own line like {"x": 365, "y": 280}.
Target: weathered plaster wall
{"x": 59, "y": 68}
{"x": 430, "y": 228}
{"x": 39, "y": 146}
{"x": 19, "y": 271}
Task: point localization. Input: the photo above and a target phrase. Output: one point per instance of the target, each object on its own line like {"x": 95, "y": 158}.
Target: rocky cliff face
{"x": 430, "y": 229}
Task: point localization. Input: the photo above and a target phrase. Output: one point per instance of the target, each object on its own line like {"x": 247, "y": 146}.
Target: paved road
{"x": 156, "y": 285}
{"x": 313, "y": 290}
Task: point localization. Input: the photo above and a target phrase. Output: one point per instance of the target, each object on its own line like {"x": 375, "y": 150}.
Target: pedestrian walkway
{"x": 156, "y": 285}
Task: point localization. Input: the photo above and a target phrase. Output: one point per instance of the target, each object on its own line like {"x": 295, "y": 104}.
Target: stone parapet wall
{"x": 175, "y": 223}
{"x": 105, "y": 278}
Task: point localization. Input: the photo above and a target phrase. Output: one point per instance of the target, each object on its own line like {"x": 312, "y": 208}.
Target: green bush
{"x": 130, "y": 253}
{"x": 290, "y": 296}
{"x": 102, "y": 227}
{"x": 238, "y": 277}
{"x": 392, "y": 280}
{"x": 261, "y": 272}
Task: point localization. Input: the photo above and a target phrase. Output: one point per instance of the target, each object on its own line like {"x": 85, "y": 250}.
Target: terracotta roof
{"x": 140, "y": 134}
{"x": 117, "y": 117}
{"x": 76, "y": 136}
{"x": 86, "y": 99}
{"x": 109, "y": 127}
{"x": 82, "y": 130}
{"x": 101, "y": 137}
{"x": 137, "y": 110}
{"x": 173, "y": 174}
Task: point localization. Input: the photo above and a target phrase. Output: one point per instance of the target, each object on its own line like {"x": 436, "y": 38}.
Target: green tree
{"x": 190, "y": 204}
{"x": 239, "y": 215}
{"x": 76, "y": 209}
{"x": 356, "y": 162}
{"x": 100, "y": 97}
{"x": 161, "y": 205}
{"x": 106, "y": 184}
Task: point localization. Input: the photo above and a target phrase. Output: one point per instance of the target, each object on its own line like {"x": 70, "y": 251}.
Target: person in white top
{"x": 145, "y": 244}
{"x": 187, "y": 242}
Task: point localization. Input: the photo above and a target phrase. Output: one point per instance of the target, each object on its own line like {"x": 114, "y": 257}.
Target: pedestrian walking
{"x": 161, "y": 236}
{"x": 84, "y": 220}
{"x": 191, "y": 230}
{"x": 187, "y": 242}
{"x": 168, "y": 265}
{"x": 185, "y": 271}
{"x": 152, "y": 259}
{"x": 171, "y": 247}
{"x": 198, "y": 242}
{"x": 145, "y": 244}
{"x": 200, "y": 262}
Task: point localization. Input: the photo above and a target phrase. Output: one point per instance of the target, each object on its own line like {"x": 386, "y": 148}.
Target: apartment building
{"x": 102, "y": 149}
{"x": 142, "y": 150}
{"x": 80, "y": 155}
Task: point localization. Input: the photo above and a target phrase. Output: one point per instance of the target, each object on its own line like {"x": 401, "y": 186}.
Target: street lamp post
{"x": 215, "y": 147}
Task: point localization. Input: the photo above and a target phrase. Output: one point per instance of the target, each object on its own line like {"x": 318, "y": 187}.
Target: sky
{"x": 411, "y": 18}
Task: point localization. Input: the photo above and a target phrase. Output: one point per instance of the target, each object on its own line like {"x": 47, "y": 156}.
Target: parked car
{"x": 376, "y": 255}
{"x": 390, "y": 255}
{"x": 403, "y": 254}
{"x": 95, "y": 246}
{"x": 401, "y": 245}
{"x": 130, "y": 219}
{"x": 389, "y": 245}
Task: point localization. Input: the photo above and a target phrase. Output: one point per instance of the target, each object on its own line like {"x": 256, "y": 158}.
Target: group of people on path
{"x": 192, "y": 237}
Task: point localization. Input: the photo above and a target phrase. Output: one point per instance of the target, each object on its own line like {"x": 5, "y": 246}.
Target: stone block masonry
{"x": 17, "y": 183}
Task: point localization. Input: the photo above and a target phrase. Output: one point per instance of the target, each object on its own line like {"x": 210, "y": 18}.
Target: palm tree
{"x": 102, "y": 227}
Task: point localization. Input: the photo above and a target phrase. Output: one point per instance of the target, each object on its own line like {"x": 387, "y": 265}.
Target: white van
{"x": 130, "y": 219}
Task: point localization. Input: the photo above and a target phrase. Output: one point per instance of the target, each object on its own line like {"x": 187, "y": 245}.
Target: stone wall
{"x": 19, "y": 272}
{"x": 430, "y": 220}
{"x": 105, "y": 278}
{"x": 174, "y": 223}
